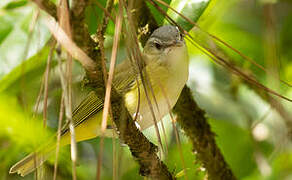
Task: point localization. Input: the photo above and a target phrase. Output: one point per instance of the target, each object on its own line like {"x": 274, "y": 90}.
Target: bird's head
{"x": 166, "y": 45}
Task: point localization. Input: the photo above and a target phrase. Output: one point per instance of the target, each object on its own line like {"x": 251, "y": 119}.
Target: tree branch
{"x": 69, "y": 45}
{"x": 48, "y": 6}
{"x": 144, "y": 151}
{"x": 80, "y": 31}
{"x": 193, "y": 121}
{"x": 142, "y": 17}
{"x": 82, "y": 38}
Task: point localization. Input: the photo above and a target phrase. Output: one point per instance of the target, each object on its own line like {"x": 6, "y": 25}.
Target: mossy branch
{"x": 194, "y": 123}
{"x": 141, "y": 148}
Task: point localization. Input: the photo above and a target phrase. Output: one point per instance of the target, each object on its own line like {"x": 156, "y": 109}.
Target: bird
{"x": 166, "y": 63}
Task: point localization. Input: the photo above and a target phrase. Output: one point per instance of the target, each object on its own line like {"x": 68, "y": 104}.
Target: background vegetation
{"x": 252, "y": 129}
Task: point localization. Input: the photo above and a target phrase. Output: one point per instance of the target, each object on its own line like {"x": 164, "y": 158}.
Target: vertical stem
{"x": 46, "y": 84}
{"x": 270, "y": 45}
{"x": 61, "y": 113}
{"x": 109, "y": 85}
{"x": 64, "y": 19}
{"x": 69, "y": 116}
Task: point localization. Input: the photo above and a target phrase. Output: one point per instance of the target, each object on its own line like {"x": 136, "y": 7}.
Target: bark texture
{"x": 194, "y": 123}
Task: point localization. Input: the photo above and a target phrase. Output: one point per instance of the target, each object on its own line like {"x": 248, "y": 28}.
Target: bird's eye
{"x": 181, "y": 36}
{"x": 157, "y": 45}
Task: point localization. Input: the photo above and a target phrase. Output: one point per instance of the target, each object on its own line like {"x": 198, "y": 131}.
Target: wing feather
{"x": 87, "y": 108}
{"x": 124, "y": 80}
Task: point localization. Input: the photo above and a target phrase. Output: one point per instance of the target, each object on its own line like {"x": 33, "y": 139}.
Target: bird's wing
{"x": 125, "y": 77}
{"x": 124, "y": 80}
{"x": 87, "y": 108}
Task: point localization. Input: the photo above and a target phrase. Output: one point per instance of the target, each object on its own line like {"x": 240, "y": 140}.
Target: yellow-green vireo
{"x": 166, "y": 58}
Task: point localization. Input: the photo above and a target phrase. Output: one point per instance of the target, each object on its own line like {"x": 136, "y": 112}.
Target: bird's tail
{"x": 32, "y": 161}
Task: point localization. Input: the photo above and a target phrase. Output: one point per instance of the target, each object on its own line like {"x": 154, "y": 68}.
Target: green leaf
{"x": 192, "y": 9}
{"x": 15, "y": 4}
{"x": 17, "y": 44}
{"x": 19, "y": 132}
{"x": 93, "y": 16}
{"x": 26, "y": 23}
{"x": 33, "y": 67}
{"x": 15, "y": 123}
{"x": 5, "y": 28}
{"x": 157, "y": 15}
{"x": 236, "y": 144}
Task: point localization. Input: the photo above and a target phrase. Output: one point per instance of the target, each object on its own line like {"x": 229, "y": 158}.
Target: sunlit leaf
{"x": 15, "y": 123}
{"x": 192, "y": 9}
{"x": 157, "y": 15}
{"x": 33, "y": 67}
{"x": 5, "y": 28}
{"x": 21, "y": 42}
{"x": 15, "y": 4}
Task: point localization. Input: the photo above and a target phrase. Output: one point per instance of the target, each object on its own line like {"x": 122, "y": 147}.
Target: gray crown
{"x": 167, "y": 33}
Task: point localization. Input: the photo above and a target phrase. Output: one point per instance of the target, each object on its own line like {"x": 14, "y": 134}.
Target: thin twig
{"x": 61, "y": 114}
{"x": 105, "y": 10}
{"x": 24, "y": 57}
{"x": 210, "y": 50}
{"x": 223, "y": 42}
{"x": 64, "y": 19}
{"x": 102, "y": 27}
{"x": 105, "y": 113}
{"x": 141, "y": 148}
{"x": 70, "y": 46}
{"x": 38, "y": 100}
{"x": 100, "y": 36}
{"x": 46, "y": 84}
{"x": 236, "y": 70}
{"x": 22, "y": 82}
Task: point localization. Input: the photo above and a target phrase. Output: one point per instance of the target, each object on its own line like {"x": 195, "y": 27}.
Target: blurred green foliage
{"x": 251, "y": 135}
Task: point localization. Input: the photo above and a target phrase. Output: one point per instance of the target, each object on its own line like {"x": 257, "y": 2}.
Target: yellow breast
{"x": 166, "y": 84}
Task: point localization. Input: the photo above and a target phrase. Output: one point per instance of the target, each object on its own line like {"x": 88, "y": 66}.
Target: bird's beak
{"x": 179, "y": 43}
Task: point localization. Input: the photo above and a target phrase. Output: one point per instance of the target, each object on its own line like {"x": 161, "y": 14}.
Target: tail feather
{"x": 85, "y": 130}
{"x": 32, "y": 161}
{"x": 27, "y": 164}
